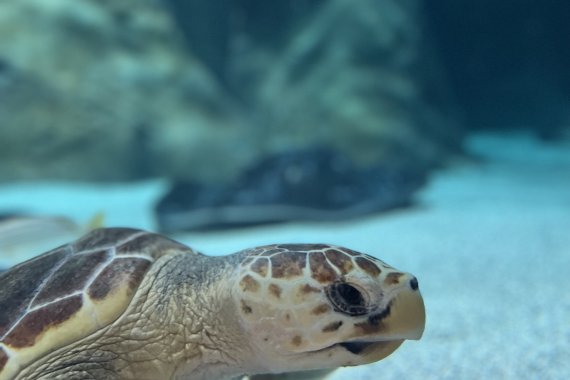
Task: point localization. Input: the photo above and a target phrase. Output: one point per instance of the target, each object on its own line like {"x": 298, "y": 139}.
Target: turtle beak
{"x": 403, "y": 319}
{"x": 407, "y": 317}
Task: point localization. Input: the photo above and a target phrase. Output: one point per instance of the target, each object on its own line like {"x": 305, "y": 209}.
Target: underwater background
{"x": 433, "y": 135}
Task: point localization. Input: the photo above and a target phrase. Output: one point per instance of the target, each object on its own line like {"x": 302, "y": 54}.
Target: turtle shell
{"x": 72, "y": 291}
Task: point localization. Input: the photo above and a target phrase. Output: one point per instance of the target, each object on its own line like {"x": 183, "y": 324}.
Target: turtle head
{"x": 314, "y": 306}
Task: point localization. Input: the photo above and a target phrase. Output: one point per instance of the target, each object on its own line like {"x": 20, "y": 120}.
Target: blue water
{"x": 489, "y": 244}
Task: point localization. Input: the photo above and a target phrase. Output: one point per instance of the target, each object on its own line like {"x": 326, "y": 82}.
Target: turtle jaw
{"x": 382, "y": 333}
{"x": 404, "y": 318}
{"x": 370, "y": 352}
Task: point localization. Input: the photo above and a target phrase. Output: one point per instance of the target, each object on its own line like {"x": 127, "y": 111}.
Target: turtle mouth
{"x": 363, "y": 348}
{"x": 357, "y": 348}
{"x": 369, "y": 352}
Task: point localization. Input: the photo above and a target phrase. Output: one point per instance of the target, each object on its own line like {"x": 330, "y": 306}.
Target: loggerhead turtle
{"x": 121, "y": 303}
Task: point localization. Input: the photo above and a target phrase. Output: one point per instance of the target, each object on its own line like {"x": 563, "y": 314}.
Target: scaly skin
{"x": 272, "y": 309}
{"x": 169, "y": 331}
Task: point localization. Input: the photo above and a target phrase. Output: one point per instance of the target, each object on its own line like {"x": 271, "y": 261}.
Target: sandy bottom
{"x": 489, "y": 242}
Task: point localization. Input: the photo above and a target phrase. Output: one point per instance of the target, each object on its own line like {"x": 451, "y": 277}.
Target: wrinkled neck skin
{"x": 181, "y": 324}
{"x": 192, "y": 295}
{"x": 215, "y": 344}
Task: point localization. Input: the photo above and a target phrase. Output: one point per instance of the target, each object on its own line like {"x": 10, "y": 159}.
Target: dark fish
{"x": 307, "y": 185}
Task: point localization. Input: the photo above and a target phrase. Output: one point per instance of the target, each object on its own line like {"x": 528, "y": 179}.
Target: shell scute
{"x": 38, "y": 321}
{"x": 70, "y": 292}
{"x": 149, "y": 244}
{"x": 123, "y": 271}
{"x": 3, "y": 358}
{"x": 71, "y": 277}
{"x": 20, "y": 284}
{"x": 104, "y": 238}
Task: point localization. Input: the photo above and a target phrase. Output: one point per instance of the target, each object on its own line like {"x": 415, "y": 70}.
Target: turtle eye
{"x": 347, "y": 299}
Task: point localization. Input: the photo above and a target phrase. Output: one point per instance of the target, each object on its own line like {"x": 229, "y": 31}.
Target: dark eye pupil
{"x": 350, "y": 295}
{"x": 347, "y": 299}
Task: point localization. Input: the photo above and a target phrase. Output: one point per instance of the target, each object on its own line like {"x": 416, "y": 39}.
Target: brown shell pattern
{"x": 48, "y": 291}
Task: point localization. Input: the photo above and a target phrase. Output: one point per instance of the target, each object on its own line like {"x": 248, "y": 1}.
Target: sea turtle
{"x": 122, "y": 303}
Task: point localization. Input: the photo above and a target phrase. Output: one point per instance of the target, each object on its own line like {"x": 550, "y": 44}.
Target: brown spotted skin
{"x": 313, "y": 295}
{"x": 326, "y": 263}
{"x": 47, "y": 292}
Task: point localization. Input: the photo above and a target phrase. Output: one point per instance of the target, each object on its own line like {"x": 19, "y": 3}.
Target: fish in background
{"x": 23, "y": 236}
{"x": 309, "y": 184}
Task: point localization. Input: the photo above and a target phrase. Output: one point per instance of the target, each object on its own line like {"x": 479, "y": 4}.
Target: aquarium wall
{"x": 507, "y": 61}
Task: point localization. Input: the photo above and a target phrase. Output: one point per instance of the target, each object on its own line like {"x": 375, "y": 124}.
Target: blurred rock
{"x": 107, "y": 90}
{"x": 361, "y": 78}
{"x": 104, "y": 90}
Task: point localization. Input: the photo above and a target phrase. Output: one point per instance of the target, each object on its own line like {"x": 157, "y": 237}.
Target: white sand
{"x": 490, "y": 244}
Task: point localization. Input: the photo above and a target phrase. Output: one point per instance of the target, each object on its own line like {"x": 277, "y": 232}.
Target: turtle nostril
{"x": 414, "y": 283}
